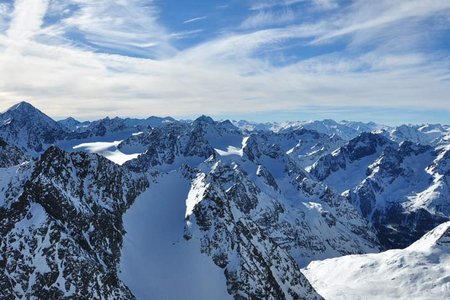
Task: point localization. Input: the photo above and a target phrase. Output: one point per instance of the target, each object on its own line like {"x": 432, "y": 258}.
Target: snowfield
{"x": 420, "y": 272}
{"x": 157, "y": 262}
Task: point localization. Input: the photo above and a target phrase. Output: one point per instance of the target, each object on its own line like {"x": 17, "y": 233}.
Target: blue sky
{"x": 264, "y": 60}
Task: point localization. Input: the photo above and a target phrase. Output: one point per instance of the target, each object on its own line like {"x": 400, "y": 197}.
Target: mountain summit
{"x": 28, "y": 128}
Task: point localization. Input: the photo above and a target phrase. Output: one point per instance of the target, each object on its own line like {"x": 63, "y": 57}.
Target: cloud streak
{"x": 267, "y": 4}
{"x": 26, "y": 22}
{"x": 122, "y": 27}
{"x": 194, "y": 20}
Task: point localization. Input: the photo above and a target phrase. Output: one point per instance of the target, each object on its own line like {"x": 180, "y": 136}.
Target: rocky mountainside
{"x": 402, "y": 189}
{"x": 28, "y": 128}
{"x": 10, "y": 155}
{"x": 62, "y": 232}
{"x": 108, "y": 125}
{"x": 205, "y": 203}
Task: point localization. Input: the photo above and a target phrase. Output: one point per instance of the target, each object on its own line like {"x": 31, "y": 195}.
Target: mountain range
{"x": 129, "y": 208}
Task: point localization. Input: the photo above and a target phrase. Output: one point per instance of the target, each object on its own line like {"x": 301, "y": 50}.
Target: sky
{"x": 262, "y": 60}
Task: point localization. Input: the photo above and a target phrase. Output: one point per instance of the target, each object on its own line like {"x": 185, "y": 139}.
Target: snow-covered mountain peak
{"x": 226, "y": 124}
{"x": 70, "y": 123}
{"x": 426, "y": 134}
{"x": 21, "y": 106}
{"x": 25, "y": 126}
{"x": 367, "y": 141}
{"x": 204, "y": 119}
{"x": 25, "y": 112}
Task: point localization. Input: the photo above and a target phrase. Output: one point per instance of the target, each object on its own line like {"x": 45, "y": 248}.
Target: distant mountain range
{"x": 131, "y": 208}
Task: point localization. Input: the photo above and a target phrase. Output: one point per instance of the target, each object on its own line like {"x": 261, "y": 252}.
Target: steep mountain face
{"x": 420, "y": 271}
{"x": 255, "y": 266}
{"x": 297, "y": 199}
{"x": 403, "y": 196}
{"x": 108, "y": 126}
{"x": 156, "y": 138}
{"x": 10, "y": 155}
{"x": 402, "y": 189}
{"x": 303, "y": 145}
{"x": 62, "y": 233}
{"x": 28, "y": 128}
{"x": 346, "y": 166}
{"x": 287, "y": 222}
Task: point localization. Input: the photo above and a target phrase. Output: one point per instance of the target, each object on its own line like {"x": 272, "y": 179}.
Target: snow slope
{"x": 420, "y": 272}
{"x": 157, "y": 262}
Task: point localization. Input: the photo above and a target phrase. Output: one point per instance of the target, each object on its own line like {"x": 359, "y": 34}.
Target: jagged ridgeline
{"x": 131, "y": 208}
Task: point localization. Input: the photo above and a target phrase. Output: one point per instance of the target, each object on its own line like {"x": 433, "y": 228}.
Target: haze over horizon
{"x": 265, "y": 60}
{"x": 249, "y": 117}
{"x": 275, "y": 119}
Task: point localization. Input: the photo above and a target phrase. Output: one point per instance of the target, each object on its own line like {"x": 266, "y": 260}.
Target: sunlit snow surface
{"x": 420, "y": 272}
{"x": 157, "y": 262}
{"x": 108, "y": 150}
{"x": 232, "y": 150}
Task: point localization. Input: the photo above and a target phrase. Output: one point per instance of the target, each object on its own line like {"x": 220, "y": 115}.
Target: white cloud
{"x": 221, "y": 75}
{"x": 26, "y": 22}
{"x": 118, "y": 26}
{"x": 363, "y": 16}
